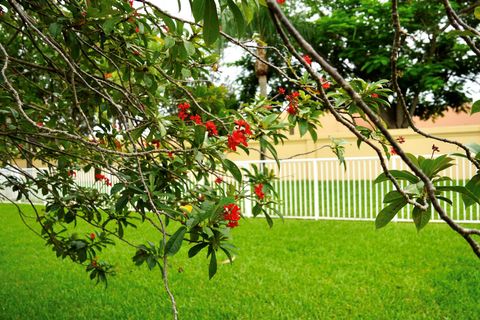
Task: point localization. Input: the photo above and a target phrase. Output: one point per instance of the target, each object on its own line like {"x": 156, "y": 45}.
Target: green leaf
{"x": 399, "y": 175}
{"x": 175, "y": 241}
{"x": 474, "y": 187}
{"x": 386, "y": 214}
{"x": 237, "y": 16}
{"x": 392, "y": 196}
{"x": 55, "y": 29}
{"x": 477, "y": 12}
{"x": 212, "y": 268}
{"x": 199, "y": 135}
{"x": 269, "y": 219}
{"x": 421, "y": 217}
{"x": 463, "y": 191}
{"x": 233, "y": 169}
{"x": 189, "y": 47}
{"x": 476, "y": 104}
{"x": 109, "y": 24}
{"x": 198, "y": 9}
{"x": 211, "y": 27}
{"x": 196, "y": 249}
{"x": 303, "y": 127}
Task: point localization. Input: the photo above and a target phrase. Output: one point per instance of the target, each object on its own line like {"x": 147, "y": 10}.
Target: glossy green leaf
{"x": 196, "y": 249}
{"x": 421, "y": 217}
{"x": 237, "y": 16}
{"x": 212, "y": 267}
{"x": 388, "y": 213}
{"x": 233, "y": 169}
{"x": 175, "y": 242}
{"x": 211, "y": 26}
{"x": 399, "y": 175}
{"x": 475, "y": 107}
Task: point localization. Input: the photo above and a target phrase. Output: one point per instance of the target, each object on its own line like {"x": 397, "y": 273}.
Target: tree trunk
{"x": 261, "y": 70}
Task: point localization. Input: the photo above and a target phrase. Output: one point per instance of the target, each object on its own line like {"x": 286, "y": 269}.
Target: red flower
{"x": 218, "y": 180}
{"x": 183, "y": 106}
{"x": 243, "y": 126}
{"x": 156, "y": 143}
{"x": 71, "y": 173}
{"x": 292, "y": 109}
{"x": 211, "y": 128}
{"x": 281, "y": 90}
{"x": 326, "y": 85}
{"x": 137, "y": 29}
{"x": 259, "y": 191}
{"x": 92, "y": 236}
{"x": 40, "y": 124}
{"x": 131, "y": 3}
{"x": 237, "y": 137}
{"x": 435, "y": 148}
{"x": 307, "y": 59}
{"x": 197, "y": 119}
{"x": 99, "y": 176}
{"x": 280, "y": 1}
{"x": 295, "y": 95}
{"x": 400, "y": 139}
{"x": 374, "y": 95}
{"x": 170, "y": 154}
{"x": 393, "y": 151}
{"x": 231, "y": 213}
{"x": 182, "y": 115}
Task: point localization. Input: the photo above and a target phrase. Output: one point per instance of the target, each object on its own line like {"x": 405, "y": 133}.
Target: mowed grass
{"x": 296, "y": 270}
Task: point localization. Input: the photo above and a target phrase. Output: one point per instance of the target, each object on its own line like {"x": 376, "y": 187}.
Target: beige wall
{"x": 414, "y": 143}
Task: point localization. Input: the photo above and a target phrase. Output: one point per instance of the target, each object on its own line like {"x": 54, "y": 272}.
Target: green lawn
{"x": 297, "y": 270}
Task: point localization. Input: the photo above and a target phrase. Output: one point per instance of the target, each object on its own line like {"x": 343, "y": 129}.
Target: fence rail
{"x": 322, "y": 189}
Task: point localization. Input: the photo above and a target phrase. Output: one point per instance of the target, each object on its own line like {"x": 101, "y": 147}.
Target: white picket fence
{"x": 322, "y": 189}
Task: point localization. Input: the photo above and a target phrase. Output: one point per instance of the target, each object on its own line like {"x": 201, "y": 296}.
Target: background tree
{"x": 434, "y": 65}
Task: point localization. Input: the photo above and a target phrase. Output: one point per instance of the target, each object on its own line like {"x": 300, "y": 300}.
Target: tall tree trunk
{"x": 261, "y": 70}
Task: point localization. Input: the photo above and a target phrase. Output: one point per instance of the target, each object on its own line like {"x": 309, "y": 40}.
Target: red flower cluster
{"x": 71, "y": 173}
{"x": 218, "y": 180}
{"x": 100, "y": 177}
{"x": 307, "y": 59}
{"x": 326, "y": 85}
{"x": 293, "y": 103}
{"x": 137, "y": 29}
{"x": 280, "y": 1}
{"x": 231, "y": 213}
{"x": 211, "y": 128}
{"x": 197, "y": 119}
{"x": 259, "y": 191}
{"x": 281, "y": 90}
{"x": 183, "y": 107}
{"x": 239, "y": 135}
{"x": 243, "y": 126}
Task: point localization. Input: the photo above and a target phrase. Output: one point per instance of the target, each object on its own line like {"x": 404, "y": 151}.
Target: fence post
{"x": 247, "y": 210}
{"x": 316, "y": 196}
